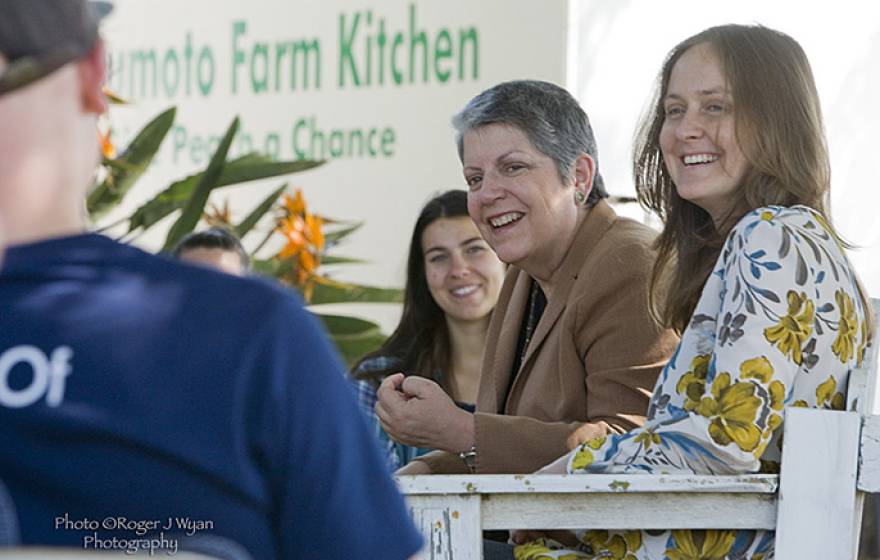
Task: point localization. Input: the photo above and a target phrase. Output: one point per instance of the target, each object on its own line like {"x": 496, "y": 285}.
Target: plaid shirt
{"x": 396, "y": 454}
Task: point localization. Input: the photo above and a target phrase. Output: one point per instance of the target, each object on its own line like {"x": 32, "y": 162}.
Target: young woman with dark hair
{"x": 452, "y": 283}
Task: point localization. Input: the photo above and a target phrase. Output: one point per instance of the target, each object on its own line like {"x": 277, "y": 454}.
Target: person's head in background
{"x": 453, "y": 279}
{"x": 735, "y": 125}
{"x": 215, "y": 247}
{"x": 531, "y": 164}
{"x": 52, "y": 70}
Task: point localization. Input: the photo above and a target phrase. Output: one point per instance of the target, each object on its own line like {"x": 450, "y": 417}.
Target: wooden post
{"x": 817, "y": 487}
{"x": 450, "y": 525}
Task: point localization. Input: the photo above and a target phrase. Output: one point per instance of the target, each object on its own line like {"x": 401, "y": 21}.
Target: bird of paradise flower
{"x": 304, "y": 245}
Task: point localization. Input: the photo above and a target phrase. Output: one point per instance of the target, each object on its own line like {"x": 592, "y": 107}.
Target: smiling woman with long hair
{"x": 452, "y": 283}
{"x": 733, "y": 159}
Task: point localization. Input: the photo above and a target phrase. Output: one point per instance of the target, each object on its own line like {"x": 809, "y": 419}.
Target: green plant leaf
{"x": 351, "y": 293}
{"x": 265, "y": 267}
{"x": 195, "y": 206}
{"x": 119, "y": 164}
{"x": 115, "y": 99}
{"x": 342, "y": 325}
{"x": 248, "y": 223}
{"x": 331, "y": 259}
{"x": 240, "y": 170}
{"x": 333, "y": 237}
{"x": 353, "y": 337}
{"x": 125, "y": 170}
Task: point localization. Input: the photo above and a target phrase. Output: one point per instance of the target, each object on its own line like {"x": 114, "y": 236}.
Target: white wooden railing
{"x": 830, "y": 460}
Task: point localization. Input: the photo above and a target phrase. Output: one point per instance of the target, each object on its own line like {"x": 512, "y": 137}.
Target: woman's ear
{"x": 92, "y": 75}
{"x": 584, "y": 171}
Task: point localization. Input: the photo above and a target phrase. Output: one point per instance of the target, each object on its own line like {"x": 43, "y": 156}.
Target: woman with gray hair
{"x": 570, "y": 345}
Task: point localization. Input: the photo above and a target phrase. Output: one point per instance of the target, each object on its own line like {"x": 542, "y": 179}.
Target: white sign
{"x": 369, "y": 86}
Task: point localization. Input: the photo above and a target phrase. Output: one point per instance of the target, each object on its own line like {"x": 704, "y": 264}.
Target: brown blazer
{"x": 594, "y": 357}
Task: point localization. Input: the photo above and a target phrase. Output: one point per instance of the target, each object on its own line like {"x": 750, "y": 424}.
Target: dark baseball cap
{"x": 38, "y": 37}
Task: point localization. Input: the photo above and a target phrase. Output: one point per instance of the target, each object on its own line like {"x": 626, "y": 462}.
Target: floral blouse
{"x": 779, "y": 323}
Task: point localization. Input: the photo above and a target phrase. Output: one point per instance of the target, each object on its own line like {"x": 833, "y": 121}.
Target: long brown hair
{"x": 421, "y": 341}
{"x": 778, "y": 127}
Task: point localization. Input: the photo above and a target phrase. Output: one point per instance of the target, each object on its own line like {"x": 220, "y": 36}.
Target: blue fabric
{"x": 396, "y": 454}
{"x": 186, "y": 393}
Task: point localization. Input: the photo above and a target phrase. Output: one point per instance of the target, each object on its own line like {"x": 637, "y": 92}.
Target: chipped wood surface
{"x": 450, "y": 526}
{"x": 818, "y": 508}
{"x": 584, "y": 484}
{"x": 629, "y": 511}
{"x": 869, "y": 461}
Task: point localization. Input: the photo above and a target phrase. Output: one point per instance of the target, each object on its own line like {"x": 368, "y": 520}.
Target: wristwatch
{"x": 470, "y": 458}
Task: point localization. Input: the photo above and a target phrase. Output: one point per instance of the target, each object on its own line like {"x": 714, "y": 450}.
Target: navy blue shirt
{"x": 181, "y": 400}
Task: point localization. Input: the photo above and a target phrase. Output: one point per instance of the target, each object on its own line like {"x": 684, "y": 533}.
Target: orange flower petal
{"x": 295, "y": 204}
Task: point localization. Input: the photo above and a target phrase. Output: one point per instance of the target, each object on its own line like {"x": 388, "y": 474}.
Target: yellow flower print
{"x": 647, "y": 437}
{"x": 693, "y": 383}
{"x": 757, "y": 368}
{"x": 794, "y": 328}
{"x": 732, "y": 409}
{"x": 615, "y": 547}
{"x": 766, "y": 216}
{"x": 633, "y": 540}
{"x": 534, "y": 550}
{"x": 773, "y": 422}
{"x": 863, "y": 343}
{"x": 844, "y": 344}
{"x": 715, "y": 546}
{"x": 827, "y": 398}
{"x": 582, "y": 459}
{"x": 777, "y": 395}
{"x": 825, "y": 390}
{"x": 759, "y": 450}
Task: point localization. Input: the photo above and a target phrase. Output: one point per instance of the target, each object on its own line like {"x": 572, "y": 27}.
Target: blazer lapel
{"x": 504, "y": 330}
{"x": 597, "y": 221}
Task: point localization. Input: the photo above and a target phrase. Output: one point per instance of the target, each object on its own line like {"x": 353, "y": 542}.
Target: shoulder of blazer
{"x": 624, "y": 253}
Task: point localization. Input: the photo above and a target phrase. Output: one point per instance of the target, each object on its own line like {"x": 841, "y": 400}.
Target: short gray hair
{"x": 549, "y": 116}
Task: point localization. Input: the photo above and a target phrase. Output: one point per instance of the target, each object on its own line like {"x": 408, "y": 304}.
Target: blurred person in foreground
{"x": 452, "y": 282}
{"x": 571, "y": 343}
{"x": 145, "y": 404}
{"x": 215, "y": 247}
{"x": 733, "y": 158}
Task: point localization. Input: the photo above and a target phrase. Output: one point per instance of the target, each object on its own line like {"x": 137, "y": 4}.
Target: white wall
{"x": 618, "y": 46}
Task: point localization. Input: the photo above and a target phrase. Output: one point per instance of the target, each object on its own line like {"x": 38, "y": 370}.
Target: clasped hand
{"x": 417, "y": 411}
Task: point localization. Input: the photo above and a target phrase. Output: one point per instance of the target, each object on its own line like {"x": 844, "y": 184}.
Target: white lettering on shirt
{"x": 49, "y": 375}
